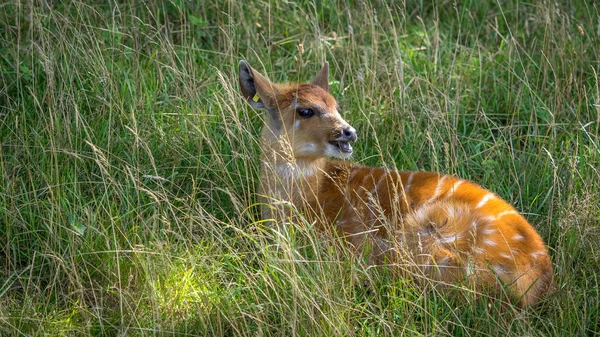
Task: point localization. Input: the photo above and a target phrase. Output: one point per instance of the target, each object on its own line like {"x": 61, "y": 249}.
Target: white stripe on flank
{"x": 438, "y": 190}
{"x": 409, "y": 182}
{"x": 381, "y": 179}
{"x": 501, "y": 214}
{"x": 453, "y": 188}
{"x": 485, "y": 199}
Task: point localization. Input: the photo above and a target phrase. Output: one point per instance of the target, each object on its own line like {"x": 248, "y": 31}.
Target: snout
{"x": 343, "y": 138}
{"x": 348, "y": 134}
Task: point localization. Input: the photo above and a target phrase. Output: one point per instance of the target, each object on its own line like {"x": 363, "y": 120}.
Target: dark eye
{"x": 305, "y": 113}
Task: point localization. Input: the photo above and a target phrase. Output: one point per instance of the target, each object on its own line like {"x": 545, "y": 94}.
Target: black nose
{"x": 349, "y": 134}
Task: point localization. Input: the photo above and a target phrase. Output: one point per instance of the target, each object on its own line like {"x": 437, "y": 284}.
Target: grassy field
{"x": 128, "y": 161}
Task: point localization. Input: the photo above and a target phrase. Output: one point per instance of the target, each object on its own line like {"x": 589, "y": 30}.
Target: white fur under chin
{"x": 295, "y": 171}
{"x": 334, "y": 151}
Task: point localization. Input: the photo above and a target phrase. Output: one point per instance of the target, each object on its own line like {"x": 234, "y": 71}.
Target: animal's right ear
{"x": 322, "y": 78}
{"x": 256, "y": 88}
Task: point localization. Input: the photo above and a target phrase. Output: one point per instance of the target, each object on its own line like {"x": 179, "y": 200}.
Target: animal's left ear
{"x": 322, "y": 78}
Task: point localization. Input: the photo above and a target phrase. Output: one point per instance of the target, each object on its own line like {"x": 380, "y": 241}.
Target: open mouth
{"x": 344, "y": 147}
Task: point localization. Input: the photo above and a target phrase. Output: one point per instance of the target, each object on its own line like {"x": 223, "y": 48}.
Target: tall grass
{"x": 128, "y": 161}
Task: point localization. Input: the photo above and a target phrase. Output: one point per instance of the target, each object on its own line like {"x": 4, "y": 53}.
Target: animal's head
{"x": 305, "y": 116}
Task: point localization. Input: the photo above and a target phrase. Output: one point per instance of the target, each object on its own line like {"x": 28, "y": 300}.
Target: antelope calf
{"x": 434, "y": 226}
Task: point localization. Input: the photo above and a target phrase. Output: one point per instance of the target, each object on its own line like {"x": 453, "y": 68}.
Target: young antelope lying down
{"x": 442, "y": 227}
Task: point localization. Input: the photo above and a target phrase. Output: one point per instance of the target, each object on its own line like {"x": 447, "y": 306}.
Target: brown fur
{"x": 430, "y": 225}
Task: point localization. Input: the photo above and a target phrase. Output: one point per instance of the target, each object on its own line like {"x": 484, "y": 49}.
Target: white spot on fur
{"x": 490, "y": 218}
{"x": 420, "y": 214}
{"x": 489, "y": 242}
{"x": 506, "y": 256}
{"x": 537, "y": 254}
{"x": 451, "y": 212}
{"x": 474, "y": 224}
{"x": 450, "y": 239}
{"x": 499, "y": 269}
{"x": 485, "y": 199}
{"x": 297, "y": 124}
{"x": 518, "y": 237}
{"x": 478, "y": 250}
{"x": 489, "y": 231}
{"x": 454, "y": 188}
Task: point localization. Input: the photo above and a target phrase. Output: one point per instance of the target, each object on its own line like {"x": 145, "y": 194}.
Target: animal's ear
{"x": 322, "y": 78}
{"x": 256, "y": 88}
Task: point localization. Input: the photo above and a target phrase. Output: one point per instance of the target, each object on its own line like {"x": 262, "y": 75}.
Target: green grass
{"x": 128, "y": 161}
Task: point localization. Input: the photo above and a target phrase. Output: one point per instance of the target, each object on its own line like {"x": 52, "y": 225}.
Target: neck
{"x": 278, "y": 157}
{"x": 286, "y": 179}
{"x": 282, "y": 166}
{"x": 299, "y": 169}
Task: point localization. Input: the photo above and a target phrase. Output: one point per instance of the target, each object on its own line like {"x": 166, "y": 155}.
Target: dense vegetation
{"x": 128, "y": 161}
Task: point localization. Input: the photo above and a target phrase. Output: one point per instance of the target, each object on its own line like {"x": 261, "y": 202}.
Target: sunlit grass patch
{"x": 180, "y": 288}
